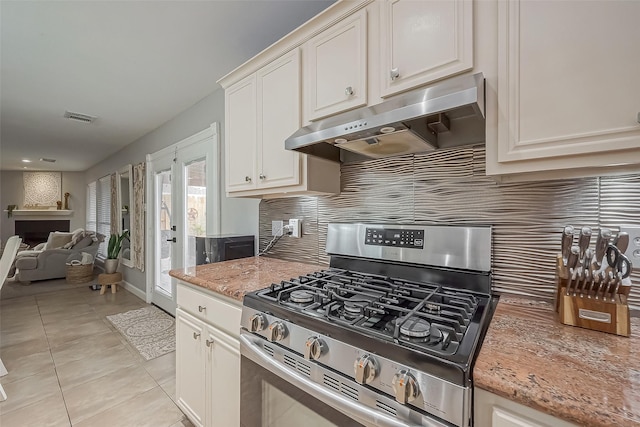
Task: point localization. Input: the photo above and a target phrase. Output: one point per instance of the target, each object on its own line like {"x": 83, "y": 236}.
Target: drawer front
{"x": 220, "y": 312}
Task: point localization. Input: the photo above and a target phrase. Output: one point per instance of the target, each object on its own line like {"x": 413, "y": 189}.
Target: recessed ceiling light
{"x": 26, "y": 161}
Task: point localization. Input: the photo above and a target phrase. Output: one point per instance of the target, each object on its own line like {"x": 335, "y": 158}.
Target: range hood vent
{"x": 79, "y": 117}
{"x": 444, "y": 115}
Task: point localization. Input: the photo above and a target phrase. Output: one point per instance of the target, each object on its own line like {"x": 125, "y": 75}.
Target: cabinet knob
{"x": 349, "y": 91}
{"x": 201, "y": 308}
{"x": 394, "y": 73}
{"x": 208, "y": 343}
{"x": 196, "y": 335}
{"x": 247, "y": 179}
{"x": 262, "y": 176}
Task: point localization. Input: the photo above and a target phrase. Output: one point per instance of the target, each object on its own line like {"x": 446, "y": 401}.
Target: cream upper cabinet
{"x": 336, "y": 68}
{"x": 568, "y": 87}
{"x": 241, "y": 135}
{"x": 423, "y": 41}
{"x": 262, "y": 110}
{"x": 278, "y": 117}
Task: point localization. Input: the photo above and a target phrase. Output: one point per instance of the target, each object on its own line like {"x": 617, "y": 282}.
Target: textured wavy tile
{"x": 450, "y": 187}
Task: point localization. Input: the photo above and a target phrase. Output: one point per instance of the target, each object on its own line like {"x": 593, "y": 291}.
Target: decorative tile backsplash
{"x": 449, "y": 187}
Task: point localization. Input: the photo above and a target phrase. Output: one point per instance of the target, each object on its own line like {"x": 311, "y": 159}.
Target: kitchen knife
{"x": 583, "y": 241}
{"x": 587, "y": 280}
{"x": 572, "y": 263}
{"x": 567, "y": 241}
{"x": 622, "y": 271}
{"x": 601, "y": 245}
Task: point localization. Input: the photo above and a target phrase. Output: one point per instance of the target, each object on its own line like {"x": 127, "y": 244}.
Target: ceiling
{"x": 132, "y": 64}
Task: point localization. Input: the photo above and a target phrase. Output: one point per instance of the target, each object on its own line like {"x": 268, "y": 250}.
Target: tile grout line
{"x": 55, "y": 368}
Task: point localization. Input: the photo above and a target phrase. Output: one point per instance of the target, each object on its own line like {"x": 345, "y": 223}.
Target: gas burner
{"x": 353, "y": 308}
{"x": 416, "y": 328}
{"x": 301, "y": 297}
{"x": 432, "y": 308}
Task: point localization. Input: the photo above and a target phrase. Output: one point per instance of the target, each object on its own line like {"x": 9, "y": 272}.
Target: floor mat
{"x": 150, "y": 330}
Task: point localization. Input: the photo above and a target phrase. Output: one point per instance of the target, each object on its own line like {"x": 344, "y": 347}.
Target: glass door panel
{"x": 163, "y": 291}
{"x": 195, "y": 183}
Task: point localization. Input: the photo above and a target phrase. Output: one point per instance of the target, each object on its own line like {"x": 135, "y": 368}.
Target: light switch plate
{"x": 633, "y": 251}
{"x": 277, "y": 228}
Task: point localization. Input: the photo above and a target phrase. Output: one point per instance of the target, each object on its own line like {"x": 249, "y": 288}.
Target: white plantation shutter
{"x": 104, "y": 212}
{"x": 92, "y": 211}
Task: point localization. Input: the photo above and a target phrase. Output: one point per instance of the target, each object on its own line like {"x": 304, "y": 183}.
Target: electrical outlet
{"x": 277, "y": 228}
{"x": 633, "y": 251}
{"x": 294, "y": 227}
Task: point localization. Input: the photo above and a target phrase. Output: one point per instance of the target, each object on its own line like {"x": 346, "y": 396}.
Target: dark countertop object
{"x": 238, "y": 277}
{"x": 586, "y": 377}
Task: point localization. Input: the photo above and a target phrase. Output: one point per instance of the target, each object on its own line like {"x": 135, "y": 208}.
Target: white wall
{"x": 12, "y": 193}
{"x": 238, "y": 216}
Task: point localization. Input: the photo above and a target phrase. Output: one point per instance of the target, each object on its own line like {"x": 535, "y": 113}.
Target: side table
{"x": 112, "y": 279}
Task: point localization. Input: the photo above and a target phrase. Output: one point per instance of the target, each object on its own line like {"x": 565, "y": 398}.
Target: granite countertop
{"x": 586, "y": 377}
{"x": 240, "y": 276}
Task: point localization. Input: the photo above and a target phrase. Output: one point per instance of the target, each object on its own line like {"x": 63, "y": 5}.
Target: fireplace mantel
{"x": 41, "y": 212}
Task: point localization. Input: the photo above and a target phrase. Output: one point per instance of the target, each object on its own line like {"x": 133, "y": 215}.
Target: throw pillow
{"x": 87, "y": 241}
{"x": 58, "y": 239}
{"x": 76, "y": 236}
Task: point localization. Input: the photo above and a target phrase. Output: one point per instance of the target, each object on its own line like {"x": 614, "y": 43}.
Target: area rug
{"x": 150, "y": 330}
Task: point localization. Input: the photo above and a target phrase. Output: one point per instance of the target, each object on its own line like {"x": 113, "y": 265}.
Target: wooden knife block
{"x": 575, "y": 310}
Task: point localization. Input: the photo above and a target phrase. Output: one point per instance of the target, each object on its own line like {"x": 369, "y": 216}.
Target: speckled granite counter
{"x": 586, "y": 377}
{"x": 240, "y": 276}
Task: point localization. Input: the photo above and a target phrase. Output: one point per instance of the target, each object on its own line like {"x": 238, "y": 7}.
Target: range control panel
{"x": 395, "y": 237}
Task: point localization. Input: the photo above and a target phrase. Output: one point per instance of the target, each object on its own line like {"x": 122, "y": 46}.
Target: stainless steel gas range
{"x": 386, "y": 336}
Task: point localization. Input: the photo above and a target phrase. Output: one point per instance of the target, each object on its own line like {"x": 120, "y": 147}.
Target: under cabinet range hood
{"x": 444, "y": 115}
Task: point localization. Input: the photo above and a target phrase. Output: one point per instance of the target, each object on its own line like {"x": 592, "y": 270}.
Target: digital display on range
{"x": 394, "y": 237}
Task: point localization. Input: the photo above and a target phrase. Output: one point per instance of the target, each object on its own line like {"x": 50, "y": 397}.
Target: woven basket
{"x": 79, "y": 273}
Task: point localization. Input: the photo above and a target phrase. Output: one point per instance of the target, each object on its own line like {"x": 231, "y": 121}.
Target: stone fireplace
{"x": 37, "y": 231}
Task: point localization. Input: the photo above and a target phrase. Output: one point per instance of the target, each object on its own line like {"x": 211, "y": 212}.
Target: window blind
{"x": 92, "y": 211}
{"x": 104, "y": 212}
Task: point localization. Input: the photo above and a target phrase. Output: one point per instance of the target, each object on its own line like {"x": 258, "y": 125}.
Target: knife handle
{"x": 622, "y": 241}
{"x": 601, "y": 245}
{"x": 583, "y": 241}
{"x": 572, "y": 262}
{"x": 567, "y": 241}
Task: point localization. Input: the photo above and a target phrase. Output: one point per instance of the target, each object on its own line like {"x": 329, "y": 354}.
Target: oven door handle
{"x": 347, "y": 406}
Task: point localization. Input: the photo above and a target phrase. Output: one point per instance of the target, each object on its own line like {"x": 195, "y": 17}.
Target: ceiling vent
{"x": 79, "y": 117}
{"x": 48, "y": 160}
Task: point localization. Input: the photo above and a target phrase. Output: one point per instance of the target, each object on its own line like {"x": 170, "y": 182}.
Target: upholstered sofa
{"x": 49, "y": 260}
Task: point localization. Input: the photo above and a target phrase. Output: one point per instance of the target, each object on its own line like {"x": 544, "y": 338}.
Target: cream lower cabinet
{"x": 207, "y": 359}
{"x": 568, "y": 89}
{"x": 423, "y": 41}
{"x": 495, "y": 411}
{"x": 262, "y": 110}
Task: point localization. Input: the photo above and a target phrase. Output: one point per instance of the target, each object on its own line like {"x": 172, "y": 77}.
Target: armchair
{"x": 44, "y": 264}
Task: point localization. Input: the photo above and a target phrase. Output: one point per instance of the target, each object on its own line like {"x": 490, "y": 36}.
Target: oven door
{"x": 280, "y": 388}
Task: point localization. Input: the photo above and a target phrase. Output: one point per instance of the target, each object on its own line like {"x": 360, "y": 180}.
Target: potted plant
{"x": 113, "y": 251}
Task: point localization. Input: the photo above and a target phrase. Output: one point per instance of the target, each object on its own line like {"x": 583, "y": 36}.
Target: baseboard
{"x": 134, "y": 290}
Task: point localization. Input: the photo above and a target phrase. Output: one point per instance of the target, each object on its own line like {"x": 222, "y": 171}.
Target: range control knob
{"x": 277, "y": 331}
{"x": 405, "y": 387}
{"x": 314, "y": 348}
{"x": 258, "y": 322}
{"x": 366, "y": 369}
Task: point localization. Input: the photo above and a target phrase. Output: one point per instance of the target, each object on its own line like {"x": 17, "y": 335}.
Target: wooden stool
{"x": 112, "y": 279}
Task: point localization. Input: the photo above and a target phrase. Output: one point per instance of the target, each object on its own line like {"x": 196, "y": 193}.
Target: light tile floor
{"x": 68, "y": 366}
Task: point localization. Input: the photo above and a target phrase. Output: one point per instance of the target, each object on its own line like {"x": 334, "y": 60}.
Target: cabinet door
{"x": 336, "y": 66}
{"x": 223, "y": 379}
{"x": 568, "y": 84}
{"x": 278, "y": 118}
{"x": 503, "y": 418}
{"x": 423, "y": 41}
{"x": 240, "y": 141}
{"x": 190, "y": 367}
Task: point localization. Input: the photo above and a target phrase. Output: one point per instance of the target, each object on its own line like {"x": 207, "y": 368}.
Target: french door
{"x": 184, "y": 202}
